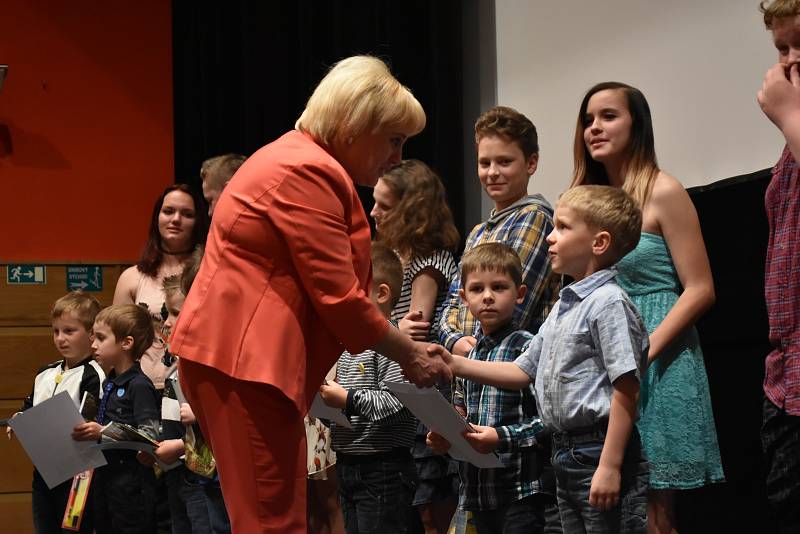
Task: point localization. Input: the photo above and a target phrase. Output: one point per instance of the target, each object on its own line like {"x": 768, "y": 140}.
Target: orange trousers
{"x": 259, "y": 443}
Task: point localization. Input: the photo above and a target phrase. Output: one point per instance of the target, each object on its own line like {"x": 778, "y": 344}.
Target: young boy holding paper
{"x": 374, "y": 467}
{"x": 77, "y": 373}
{"x": 507, "y": 499}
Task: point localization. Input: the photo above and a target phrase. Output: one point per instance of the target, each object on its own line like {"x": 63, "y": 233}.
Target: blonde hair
{"x": 360, "y": 94}
{"x": 387, "y": 269}
{"x": 496, "y": 257}
{"x": 608, "y": 208}
{"x": 421, "y": 222}
{"x": 778, "y": 9}
{"x": 129, "y": 320}
{"x": 642, "y": 169}
{"x": 82, "y": 306}
{"x": 216, "y": 172}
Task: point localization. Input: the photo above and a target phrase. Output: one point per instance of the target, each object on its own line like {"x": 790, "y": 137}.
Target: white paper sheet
{"x": 428, "y": 405}
{"x": 170, "y": 409}
{"x": 44, "y": 431}
{"x": 320, "y": 410}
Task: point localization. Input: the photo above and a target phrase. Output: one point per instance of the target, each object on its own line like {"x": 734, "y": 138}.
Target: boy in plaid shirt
{"x": 507, "y": 499}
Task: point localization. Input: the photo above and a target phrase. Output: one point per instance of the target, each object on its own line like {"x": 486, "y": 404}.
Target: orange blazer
{"x": 283, "y": 287}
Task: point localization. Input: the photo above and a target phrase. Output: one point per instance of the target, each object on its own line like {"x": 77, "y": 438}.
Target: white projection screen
{"x": 699, "y": 63}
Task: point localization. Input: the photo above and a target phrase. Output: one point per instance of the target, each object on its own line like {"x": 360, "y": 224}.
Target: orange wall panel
{"x": 86, "y": 135}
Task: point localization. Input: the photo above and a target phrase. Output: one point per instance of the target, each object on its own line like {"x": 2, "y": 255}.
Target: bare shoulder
{"x": 126, "y": 285}
{"x": 667, "y": 187}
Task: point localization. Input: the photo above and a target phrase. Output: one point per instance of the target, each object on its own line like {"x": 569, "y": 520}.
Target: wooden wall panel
{"x": 29, "y": 305}
{"x": 23, "y": 351}
{"x": 15, "y": 509}
{"x": 17, "y": 468}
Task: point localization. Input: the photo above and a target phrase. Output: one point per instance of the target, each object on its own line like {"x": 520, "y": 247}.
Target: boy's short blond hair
{"x": 359, "y": 94}
{"x": 607, "y": 208}
{"x": 129, "y": 320}
{"x": 82, "y": 306}
{"x": 778, "y": 9}
{"x": 495, "y": 257}
{"x": 387, "y": 269}
{"x": 216, "y": 172}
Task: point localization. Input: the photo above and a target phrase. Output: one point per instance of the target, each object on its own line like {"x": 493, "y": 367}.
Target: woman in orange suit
{"x": 283, "y": 290}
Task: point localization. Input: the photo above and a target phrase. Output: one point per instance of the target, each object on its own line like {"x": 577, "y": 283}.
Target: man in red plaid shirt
{"x": 780, "y": 433}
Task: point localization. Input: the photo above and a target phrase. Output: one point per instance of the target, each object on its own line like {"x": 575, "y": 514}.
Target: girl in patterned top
{"x": 412, "y": 217}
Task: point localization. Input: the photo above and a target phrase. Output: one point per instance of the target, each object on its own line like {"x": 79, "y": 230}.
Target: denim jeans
{"x": 187, "y": 502}
{"x": 780, "y": 438}
{"x": 124, "y": 496}
{"x": 376, "y": 496}
{"x": 575, "y": 465}
{"x": 217, "y": 513}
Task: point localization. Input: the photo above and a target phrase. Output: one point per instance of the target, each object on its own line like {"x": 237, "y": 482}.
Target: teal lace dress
{"x": 676, "y": 422}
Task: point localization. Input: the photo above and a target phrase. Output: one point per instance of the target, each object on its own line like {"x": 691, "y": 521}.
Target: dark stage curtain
{"x": 244, "y": 70}
{"x": 734, "y": 337}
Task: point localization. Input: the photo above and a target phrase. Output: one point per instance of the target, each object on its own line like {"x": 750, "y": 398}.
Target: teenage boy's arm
{"x": 529, "y": 239}
{"x": 604, "y": 492}
{"x": 498, "y": 374}
{"x": 451, "y": 327}
{"x": 456, "y": 325}
{"x": 779, "y": 99}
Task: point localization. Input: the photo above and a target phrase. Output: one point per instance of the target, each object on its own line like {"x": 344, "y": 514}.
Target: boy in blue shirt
{"x": 585, "y": 365}
{"x": 510, "y": 498}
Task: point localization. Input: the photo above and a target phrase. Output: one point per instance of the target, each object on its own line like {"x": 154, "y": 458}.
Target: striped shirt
{"x": 782, "y": 285}
{"x": 380, "y": 422}
{"x": 523, "y": 226}
{"x": 444, "y": 265}
{"x": 593, "y": 336}
{"x": 513, "y": 414}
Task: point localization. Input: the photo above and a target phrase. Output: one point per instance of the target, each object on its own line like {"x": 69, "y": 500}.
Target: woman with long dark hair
{"x": 177, "y": 226}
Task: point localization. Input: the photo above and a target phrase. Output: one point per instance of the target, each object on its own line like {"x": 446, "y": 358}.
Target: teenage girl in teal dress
{"x": 669, "y": 278}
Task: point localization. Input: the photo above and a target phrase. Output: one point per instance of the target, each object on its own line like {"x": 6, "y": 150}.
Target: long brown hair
{"x": 421, "y": 222}
{"x": 153, "y": 253}
{"x": 642, "y": 168}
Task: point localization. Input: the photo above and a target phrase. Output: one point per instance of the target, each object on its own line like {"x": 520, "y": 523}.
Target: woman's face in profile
{"x": 176, "y": 221}
{"x": 367, "y": 156}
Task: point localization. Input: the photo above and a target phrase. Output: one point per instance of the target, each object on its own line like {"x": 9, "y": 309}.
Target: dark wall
{"x": 244, "y": 73}
{"x": 734, "y": 339}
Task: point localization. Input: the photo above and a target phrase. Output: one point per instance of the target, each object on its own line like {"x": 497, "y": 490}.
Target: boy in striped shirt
{"x": 375, "y": 469}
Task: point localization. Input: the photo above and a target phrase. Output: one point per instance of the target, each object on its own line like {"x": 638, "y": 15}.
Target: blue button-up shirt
{"x": 593, "y": 335}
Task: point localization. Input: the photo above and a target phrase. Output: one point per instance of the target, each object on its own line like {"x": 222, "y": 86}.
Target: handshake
{"x": 426, "y": 364}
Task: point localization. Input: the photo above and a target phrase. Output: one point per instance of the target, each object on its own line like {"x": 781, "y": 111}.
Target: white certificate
{"x": 320, "y": 410}
{"x": 430, "y": 407}
{"x": 45, "y": 432}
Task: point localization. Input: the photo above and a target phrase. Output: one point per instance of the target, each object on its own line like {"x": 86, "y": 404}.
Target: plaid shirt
{"x": 523, "y": 226}
{"x": 782, "y": 285}
{"x": 513, "y": 414}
